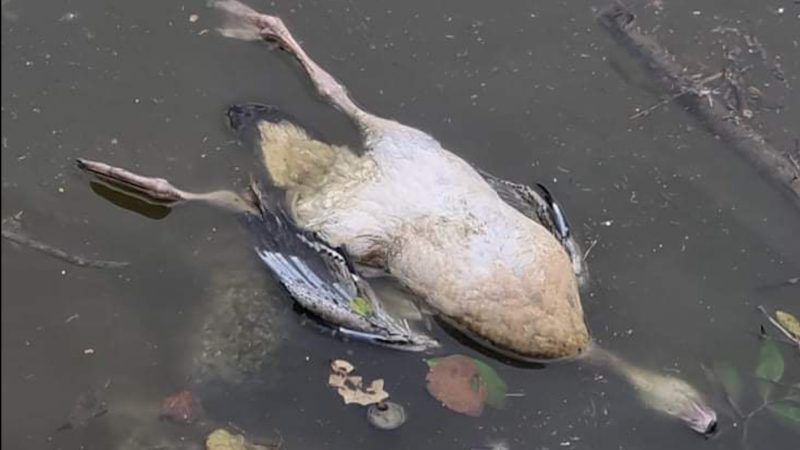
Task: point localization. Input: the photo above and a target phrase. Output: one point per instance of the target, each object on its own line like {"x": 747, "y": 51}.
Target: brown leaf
{"x": 455, "y": 381}
{"x": 182, "y": 407}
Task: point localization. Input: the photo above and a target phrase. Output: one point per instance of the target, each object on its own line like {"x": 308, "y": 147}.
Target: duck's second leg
{"x": 158, "y": 190}
{"x": 242, "y": 22}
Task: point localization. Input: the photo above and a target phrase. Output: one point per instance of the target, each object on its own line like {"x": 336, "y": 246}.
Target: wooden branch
{"x": 777, "y": 166}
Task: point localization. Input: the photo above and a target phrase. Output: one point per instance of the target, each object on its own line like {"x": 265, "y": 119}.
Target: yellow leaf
{"x": 789, "y": 322}
{"x": 221, "y": 439}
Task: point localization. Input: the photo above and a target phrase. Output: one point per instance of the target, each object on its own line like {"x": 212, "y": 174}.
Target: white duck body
{"x": 428, "y": 218}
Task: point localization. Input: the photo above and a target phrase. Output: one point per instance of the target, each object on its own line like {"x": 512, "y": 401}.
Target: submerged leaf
{"x": 770, "y": 362}
{"x": 487, "y": 379}
{"x": 788, "y": 410}
{"x": 729, "y": 377}
{"x": 455, "y": 381}
{"x": 770, "y": 366}
{"x": 495, "y": 386}
{"x": 789, "y": 322}
{"x": 181, "y": 407}
{"x": 361, "y": 306}
{"x": 221, "y": 439}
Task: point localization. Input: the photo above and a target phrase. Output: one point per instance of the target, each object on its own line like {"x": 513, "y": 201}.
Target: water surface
{"x": 686, "y": 231}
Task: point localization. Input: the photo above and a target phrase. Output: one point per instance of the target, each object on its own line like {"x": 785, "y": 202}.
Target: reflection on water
{"x": 130, "y": 202}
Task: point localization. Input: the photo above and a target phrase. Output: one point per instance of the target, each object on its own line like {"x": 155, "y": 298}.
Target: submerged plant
{"x": 465, "y": 384}
{"x": 776, "y": 395}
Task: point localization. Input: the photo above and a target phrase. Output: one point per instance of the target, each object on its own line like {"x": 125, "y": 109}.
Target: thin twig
{"x": 11, "y": 233}
{"x": 672, "y": 98}
{"x": 764, "y": 405}
{"x": 667, "y": 100}
{"x": 589, "y": 250}
{"x": 745, "y": 419}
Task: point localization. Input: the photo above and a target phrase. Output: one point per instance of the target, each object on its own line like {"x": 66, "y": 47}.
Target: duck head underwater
{"x": 494, "y": 259}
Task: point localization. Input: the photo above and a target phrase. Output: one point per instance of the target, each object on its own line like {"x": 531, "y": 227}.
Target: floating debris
{"x": 351, "y": 387}
{"x": 455, "y": 381}
{"x": 781, "y": 321}
{"x": 72, "y": 317}
{"x": 182, "y": 407}
{"x": 386, "y": 415}
{"x": 68, "y": 17}
{"x": 221, "y": 439}
{"x": 464, "y": 384}
{"x": 789, "y": 322}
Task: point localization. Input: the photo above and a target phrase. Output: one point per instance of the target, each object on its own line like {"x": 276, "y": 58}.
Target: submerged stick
{"x": 771, "y": 162}
{"x": 18, "y": 237}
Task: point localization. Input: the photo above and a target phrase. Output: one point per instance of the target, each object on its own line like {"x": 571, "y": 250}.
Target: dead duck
{"x": 494, "y": 258}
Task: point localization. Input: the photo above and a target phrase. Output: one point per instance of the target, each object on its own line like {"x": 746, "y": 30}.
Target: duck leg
{"x": 160, "y": 191}
{"x": 242, "y": 22}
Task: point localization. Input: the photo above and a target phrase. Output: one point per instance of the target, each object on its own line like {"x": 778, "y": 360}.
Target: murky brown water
{"x": 686, "y": 231}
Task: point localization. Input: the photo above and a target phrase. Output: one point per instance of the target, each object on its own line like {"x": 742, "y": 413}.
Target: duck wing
{"x": 323, "y": 280}
{"x": 539, "y": 205}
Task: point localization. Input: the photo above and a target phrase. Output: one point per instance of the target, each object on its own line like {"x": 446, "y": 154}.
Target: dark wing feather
{"x": 539, "y": 205}
{"x": 522, "y": 198}
{"x": 322, "y": 279}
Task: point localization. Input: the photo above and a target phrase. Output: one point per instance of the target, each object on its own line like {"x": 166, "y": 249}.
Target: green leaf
{"x": 432, "y": 362}
{"x": 454, "y": 380}
{"x": 730, "y": 379}
{"x": 496, "y": 388}
{"x": 770, "y": 366}
{"x": 361, "y": 306}
{"x": 787, "y": 410}
{"x": 475, "y": 383}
